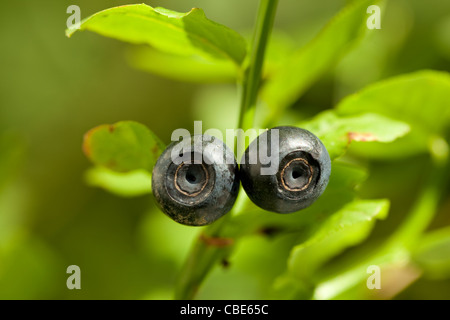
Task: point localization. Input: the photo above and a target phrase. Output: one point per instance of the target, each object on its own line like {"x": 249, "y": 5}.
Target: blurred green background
{"x": 53, "y": 90}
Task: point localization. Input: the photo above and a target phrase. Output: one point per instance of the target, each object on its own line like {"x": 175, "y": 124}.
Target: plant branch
{"x": 252, "y": 76}
{"x": 216, "y": 241}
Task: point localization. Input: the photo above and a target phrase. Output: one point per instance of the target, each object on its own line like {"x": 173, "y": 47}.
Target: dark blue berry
{"x": 302, "y": 172}
{"x": 195, "y": 181}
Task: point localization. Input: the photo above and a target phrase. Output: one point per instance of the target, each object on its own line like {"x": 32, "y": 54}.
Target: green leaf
{"x": 337, "y": 132}
{"x": 128, "y": 184}
{"x": 433, "y": 254}
{"x": 182, "y": 68}
{"x": 339, "y": 192}
{"x": 198, "y": 69}
{"x": 354, "y": 274}
{"x": 304, "y": 224}
{"x": 279, "y": 47}
{"x": 188, "y": 33}
{"x": 337, "y": 280}
{"x": 420, "y": 99}
{"x": 347, "y": 227}
{"x": 122, "y": 147}
{"x": 334, "y": 222}
{"x": 305, "y": 66}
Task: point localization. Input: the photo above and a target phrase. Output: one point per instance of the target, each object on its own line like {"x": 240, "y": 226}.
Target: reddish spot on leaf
{"x": 155, "y": 150}
{"x": 87, "y": 141}
{"x": 216, "y": 241}
{"x": 87, "y": 147}
{"x": 357, "y": 136}
{"x": 112, "y": 164}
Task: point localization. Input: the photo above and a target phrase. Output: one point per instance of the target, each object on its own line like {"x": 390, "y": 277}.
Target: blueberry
{"x": 301, "y": 172}
{"x": 195, "y": 180}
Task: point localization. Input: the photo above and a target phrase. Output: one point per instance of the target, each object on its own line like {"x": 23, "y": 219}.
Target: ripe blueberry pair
{"x": 203, "y": 186}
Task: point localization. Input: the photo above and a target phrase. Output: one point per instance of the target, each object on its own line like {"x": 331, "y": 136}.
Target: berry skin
{"x": 200, "y": 185}
{"x": 302, "y": 173}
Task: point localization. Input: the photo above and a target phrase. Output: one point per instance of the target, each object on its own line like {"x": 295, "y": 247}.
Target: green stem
{"x": 252, "y": 76}
{"x": 216, "y": 241}
{"x": 201, "y": 258}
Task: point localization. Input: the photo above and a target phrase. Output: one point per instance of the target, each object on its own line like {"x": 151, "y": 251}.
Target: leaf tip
{"x": 196, "y": 9}
{"x": 72, "y": 29}
{"x": 69, "y": 32}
